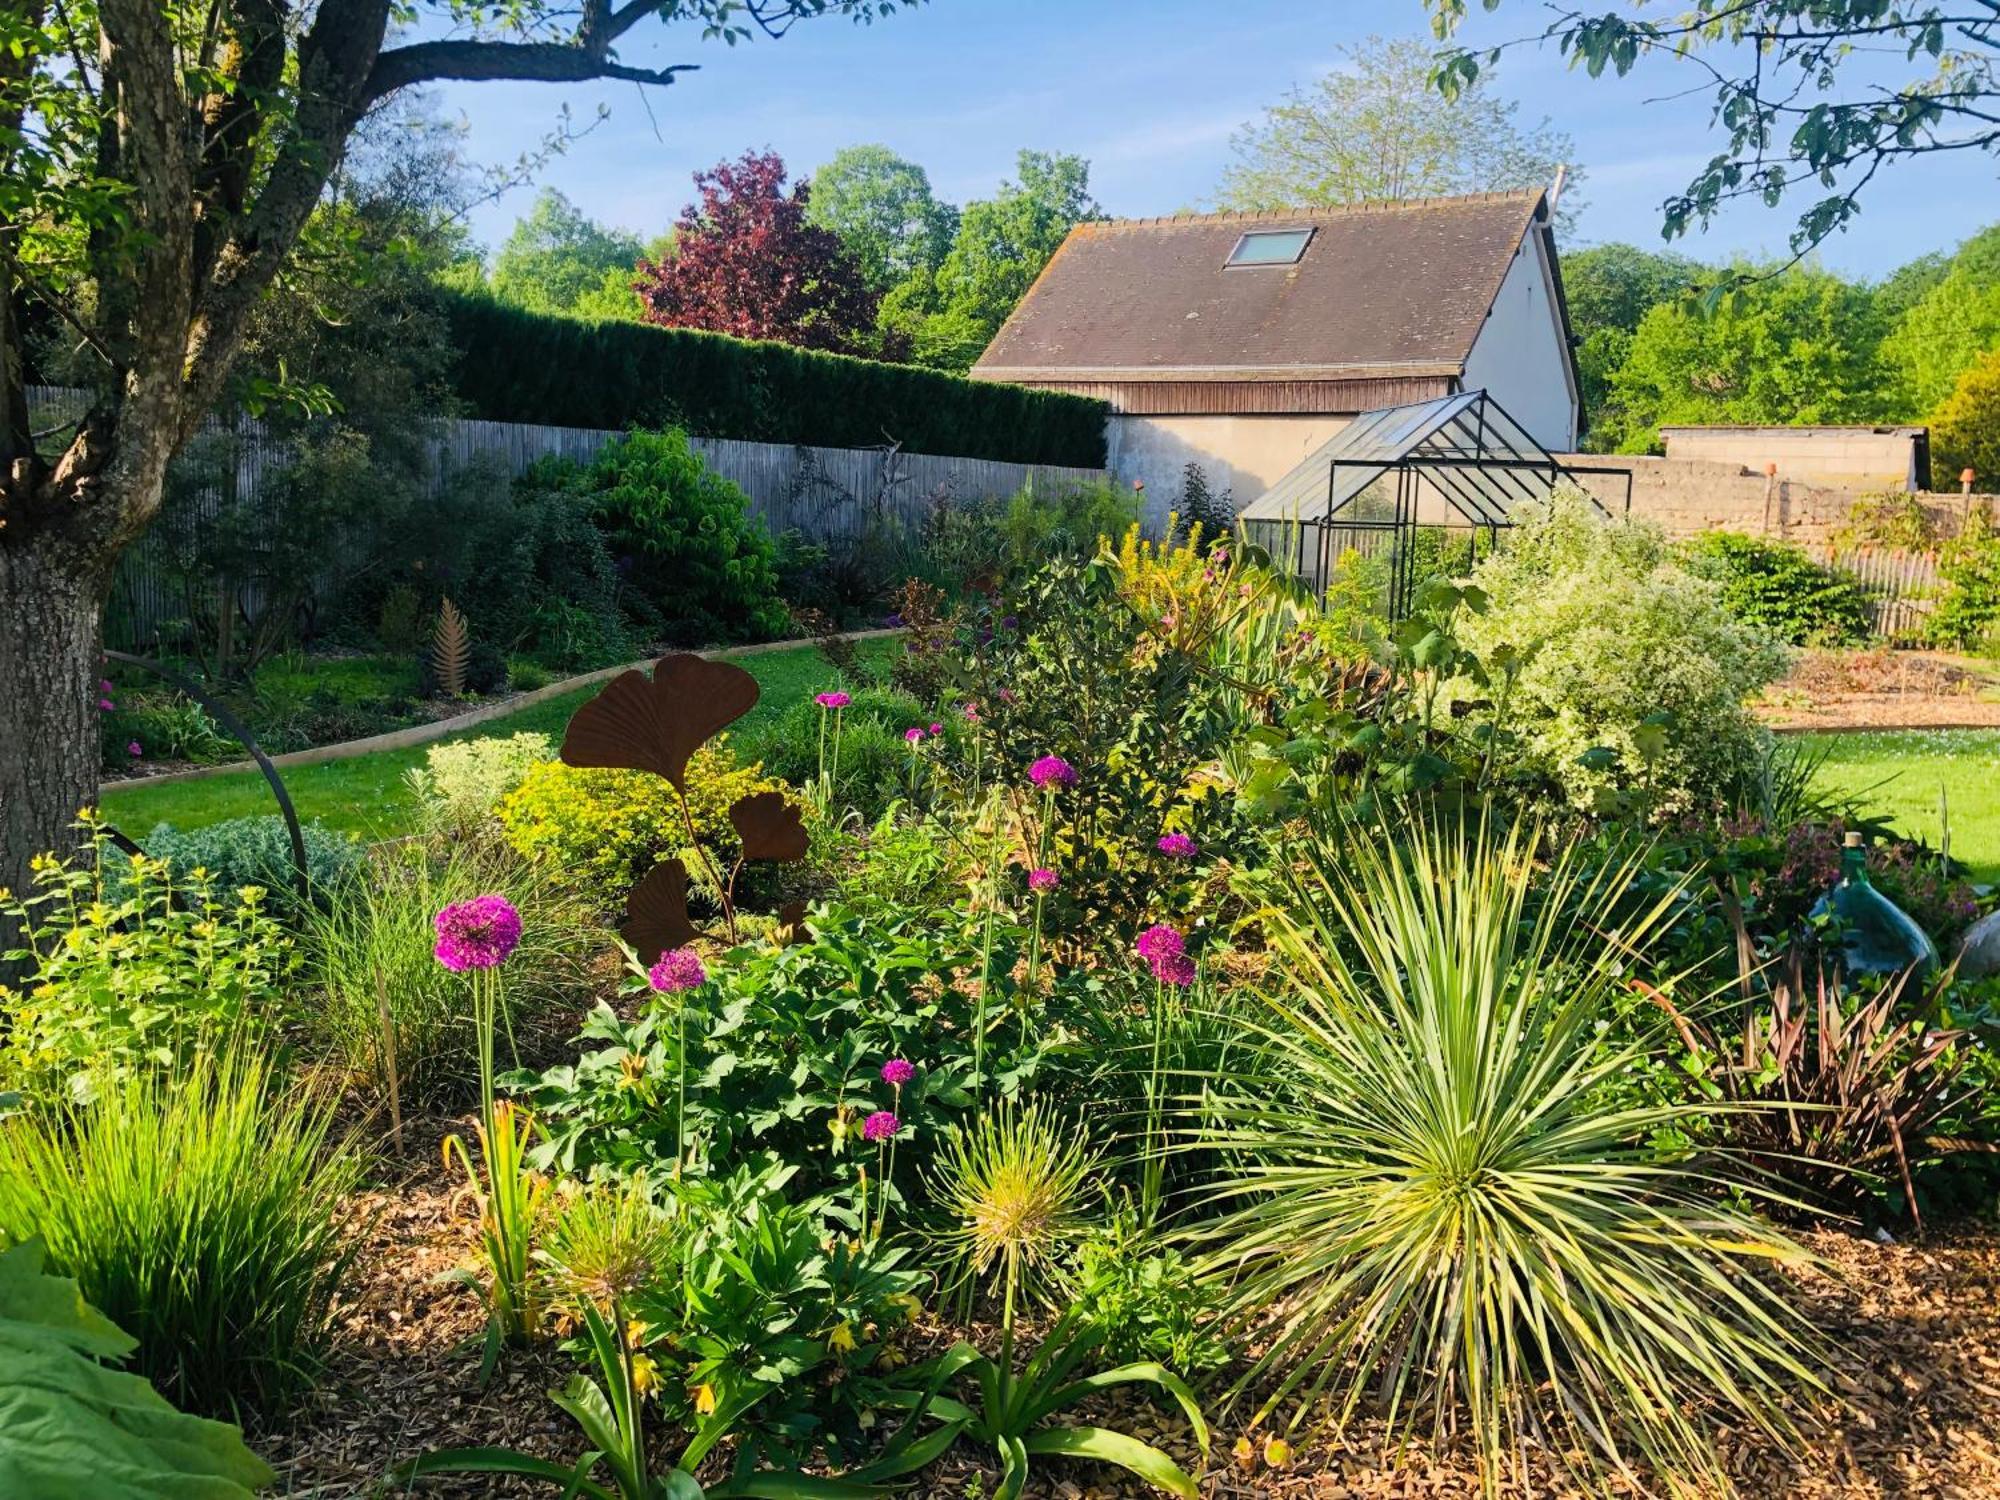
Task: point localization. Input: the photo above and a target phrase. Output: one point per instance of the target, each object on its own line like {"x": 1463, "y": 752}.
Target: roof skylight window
{"x": 1270, "y": 247}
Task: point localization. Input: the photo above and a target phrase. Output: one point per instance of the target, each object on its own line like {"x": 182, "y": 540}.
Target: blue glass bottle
{"x": 1876, "y": 935}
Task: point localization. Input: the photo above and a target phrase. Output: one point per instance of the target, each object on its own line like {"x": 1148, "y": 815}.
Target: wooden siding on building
{"x": 1186, "y": 398}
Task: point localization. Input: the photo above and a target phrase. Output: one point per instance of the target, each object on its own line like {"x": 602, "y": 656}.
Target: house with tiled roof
{"x": 1243, "y": 342}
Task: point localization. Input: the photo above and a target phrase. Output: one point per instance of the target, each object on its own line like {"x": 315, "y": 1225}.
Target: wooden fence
{"x": 827, "y": 494}
{"x": 1899, "y": 586}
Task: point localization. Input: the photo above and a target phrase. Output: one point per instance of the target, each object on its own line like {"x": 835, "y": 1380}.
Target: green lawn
{"x": 1918, "y": 777}
{"x": 366, "y": 794}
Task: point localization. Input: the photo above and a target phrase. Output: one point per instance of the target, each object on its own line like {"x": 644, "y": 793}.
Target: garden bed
{"x": 1918, "y": 1323}
{"x": 1884, "y": 689}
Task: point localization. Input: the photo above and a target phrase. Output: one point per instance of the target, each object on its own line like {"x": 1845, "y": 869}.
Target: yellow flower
{"x": 1246, "y": 1454}
{"x": 704, "y": 1400}
{"x": 912, "y": 1307}
{"x": 842, "y": 1337}
{"x": 646, "y": 1374}
{"x": 1277, "y": 1453}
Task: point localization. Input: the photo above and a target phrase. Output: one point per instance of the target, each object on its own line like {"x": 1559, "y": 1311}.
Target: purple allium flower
{"x": 678, "y": 969}
{"x": 914, "y": 733}
{"x": 880, "y": 1126}
{"x": 1052, "y": 770}
{"x": 1176, "y": 846}
{"x": 937, "y": 729}
{"x": 832, "y": 700}
{"x": 135, "y": 749}
{"x": 1043, "y": 879}
{"x": 1160, "y": 941}
{"x": 104, "y": 686}
{"x": 1177, "y": 970}
{"x": 898, "y": 1071}
{"x": 105, "y": 705}
{"x": 477, "y": 934}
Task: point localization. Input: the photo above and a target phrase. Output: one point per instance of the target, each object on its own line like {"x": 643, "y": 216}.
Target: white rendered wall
{"x": 1518, "y": 357}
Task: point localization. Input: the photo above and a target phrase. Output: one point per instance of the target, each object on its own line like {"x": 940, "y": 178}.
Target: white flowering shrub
{"x": 1624, "y": 651}
{"x": 461, "y": 784}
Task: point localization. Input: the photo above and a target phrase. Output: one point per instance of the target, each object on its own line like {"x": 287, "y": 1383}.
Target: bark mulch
{"x": 1917, "y": 1328}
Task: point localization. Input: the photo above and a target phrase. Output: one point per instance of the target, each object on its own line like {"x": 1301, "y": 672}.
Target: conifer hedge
{"x": 517, "y": 366}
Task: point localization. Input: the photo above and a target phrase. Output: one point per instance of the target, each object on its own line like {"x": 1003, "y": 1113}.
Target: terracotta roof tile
{"x": 1380, "y": 288}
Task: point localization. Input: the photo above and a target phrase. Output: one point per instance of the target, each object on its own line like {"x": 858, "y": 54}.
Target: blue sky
{"x": 1149, "y": 91}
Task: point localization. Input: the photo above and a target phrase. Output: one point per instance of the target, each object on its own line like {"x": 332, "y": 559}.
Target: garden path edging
{"x": 437, "y": 729}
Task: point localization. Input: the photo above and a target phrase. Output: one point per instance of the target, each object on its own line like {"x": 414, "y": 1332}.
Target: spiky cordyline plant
{"x": 1441, "y": 1197}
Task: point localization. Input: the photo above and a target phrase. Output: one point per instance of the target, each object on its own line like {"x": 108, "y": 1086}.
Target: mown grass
{"x": 1927, "y": 782}
{"x": 366, "y": 794}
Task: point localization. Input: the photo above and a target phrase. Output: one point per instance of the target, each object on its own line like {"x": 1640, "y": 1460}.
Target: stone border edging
{"x": 437, "y": 729}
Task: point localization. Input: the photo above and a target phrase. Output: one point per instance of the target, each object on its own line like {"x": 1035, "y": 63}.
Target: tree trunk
{"x": 51, "y": 603}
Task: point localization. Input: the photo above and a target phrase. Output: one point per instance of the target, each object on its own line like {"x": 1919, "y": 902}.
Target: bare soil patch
{"x": 1884, "y": 689}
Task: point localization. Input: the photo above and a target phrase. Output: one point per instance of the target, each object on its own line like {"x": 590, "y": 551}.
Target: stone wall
{"x": 1687, "y": 496}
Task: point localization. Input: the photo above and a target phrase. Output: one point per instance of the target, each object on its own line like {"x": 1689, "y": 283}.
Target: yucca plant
{"x": 204, "y": 1213}
{"x": 1014, "y": 1183}
{"x": 1441, "y": 1196}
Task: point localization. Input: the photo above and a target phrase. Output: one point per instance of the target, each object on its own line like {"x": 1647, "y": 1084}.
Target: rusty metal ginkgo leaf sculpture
{"x": 656, "y": 724}
{"x": 656, "y": 914}
{"x": 769, "y": 827}
{"x": 641, "y": 723}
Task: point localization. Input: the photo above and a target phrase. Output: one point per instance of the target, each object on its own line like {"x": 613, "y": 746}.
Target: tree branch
{"x": 526, "y": 62}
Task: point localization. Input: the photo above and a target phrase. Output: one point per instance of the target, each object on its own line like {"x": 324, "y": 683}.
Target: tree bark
{"x": 51, "y": 607}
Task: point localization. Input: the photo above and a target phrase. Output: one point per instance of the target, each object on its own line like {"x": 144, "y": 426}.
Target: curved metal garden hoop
{"x": 301, "y": 874}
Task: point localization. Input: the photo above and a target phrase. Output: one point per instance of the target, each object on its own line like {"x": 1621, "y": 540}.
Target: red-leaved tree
{"x": 747, "y": 263}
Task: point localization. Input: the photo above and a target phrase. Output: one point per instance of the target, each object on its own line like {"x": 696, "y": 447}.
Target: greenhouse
{"x": 1458, "y": 465}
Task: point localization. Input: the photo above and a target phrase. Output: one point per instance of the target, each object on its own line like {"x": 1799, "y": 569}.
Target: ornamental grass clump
{"x": 1441, "y": 1197}
{"x": 205, "y": 1212}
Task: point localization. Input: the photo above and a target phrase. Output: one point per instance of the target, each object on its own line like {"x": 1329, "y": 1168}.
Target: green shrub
{"x": 257, "y": 851}
{"x": 1626, "y": 654}
{"x": 1968, "y": 606}
{"x": 525, "y": 367}
{"x": 375, "y": 946}
{"x": 782, "y": 1051}
{"x": 204, "y": 1213}
{"x": 539, "y": 575}
{"x": 1147, "y": 1301}
{"x": 702, "y": 566}
{"x": 461, "y": 783}
{"x": 874, "y": 759}
{"x": 1778, "y": 588}
{"x": 1067, "y": 520}
{"x": 599, "y": 831}
{"x": 75, "y": 1425}
{"x": 1440, "y": 1194}
{"x": 133, "y": 973}
{"x": 165, "y": 726}
{"x": 1965, "y": 428}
